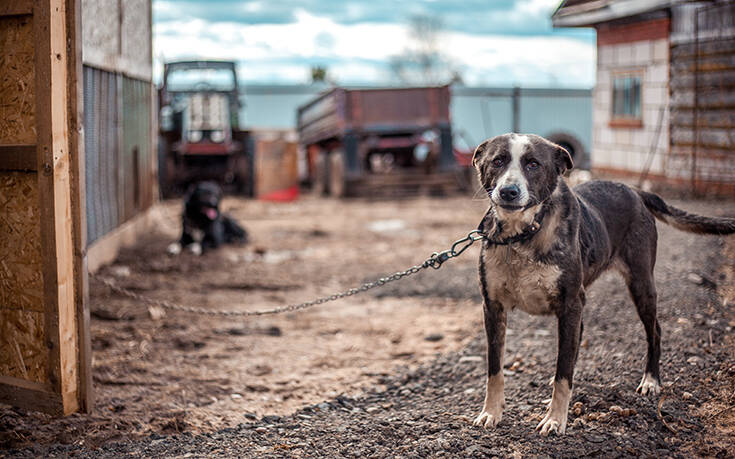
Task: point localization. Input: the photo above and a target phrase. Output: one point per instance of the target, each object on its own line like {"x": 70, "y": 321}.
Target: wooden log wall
{"x": 702, "y": 89}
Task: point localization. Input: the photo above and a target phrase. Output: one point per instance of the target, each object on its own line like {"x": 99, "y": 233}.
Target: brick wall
{"x": 640, "y": 48}
{"x": 656, "y": 29}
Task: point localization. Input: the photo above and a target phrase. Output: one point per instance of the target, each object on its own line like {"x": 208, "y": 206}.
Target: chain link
{"x": 434, "y": 261}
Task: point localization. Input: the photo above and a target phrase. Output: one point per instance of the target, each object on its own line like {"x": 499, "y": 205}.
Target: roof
{"x": 586, "y": 13}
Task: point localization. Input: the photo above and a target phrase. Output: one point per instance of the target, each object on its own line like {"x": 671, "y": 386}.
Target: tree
{"x": 422, "y": 62}
{"x": 318, "y": 74}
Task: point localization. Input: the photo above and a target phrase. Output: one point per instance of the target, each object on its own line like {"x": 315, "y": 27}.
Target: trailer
{"x": 200, "y": 136}
{"x": 378, "y": 141}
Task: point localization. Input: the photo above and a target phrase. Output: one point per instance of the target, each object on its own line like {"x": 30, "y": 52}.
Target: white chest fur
{"x": 516, "y": 280}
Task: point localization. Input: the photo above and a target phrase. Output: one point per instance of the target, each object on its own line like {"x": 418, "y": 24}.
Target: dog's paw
{"x": 174, "y": 248}
{"x": 552, "y": 423}
{"x": 488, "y": 420}
{"x": 195, "y": 248}
{"x": 649, "y": 385}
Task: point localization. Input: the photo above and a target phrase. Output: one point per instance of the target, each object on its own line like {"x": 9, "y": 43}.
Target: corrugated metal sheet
{"x": 100, "y": 144}
{"x": 136, "y": 131}
{"x": 119, "y": 175}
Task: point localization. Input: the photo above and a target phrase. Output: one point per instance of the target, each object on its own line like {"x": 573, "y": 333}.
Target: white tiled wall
{"x": 628, "y": 148}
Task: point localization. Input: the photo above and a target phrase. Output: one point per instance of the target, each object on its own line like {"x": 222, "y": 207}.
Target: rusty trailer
{"x": 368, "y": 141}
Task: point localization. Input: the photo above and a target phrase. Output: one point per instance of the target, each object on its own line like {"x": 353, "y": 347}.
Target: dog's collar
{"x": 525, "y": 235}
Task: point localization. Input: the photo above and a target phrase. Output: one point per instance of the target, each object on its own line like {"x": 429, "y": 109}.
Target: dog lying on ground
{"x": 546, "y": 243}
{"x": 203, "y": 225}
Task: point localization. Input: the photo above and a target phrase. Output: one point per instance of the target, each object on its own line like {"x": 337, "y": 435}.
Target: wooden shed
{"x": 55, "y": 198}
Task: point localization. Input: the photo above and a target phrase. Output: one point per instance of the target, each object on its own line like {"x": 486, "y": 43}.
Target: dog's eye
{"x": 498, "y": 162}
{"x": 532, "y": 165}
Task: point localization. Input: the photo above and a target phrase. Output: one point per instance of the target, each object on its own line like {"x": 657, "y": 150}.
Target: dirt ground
{"x": 398, "y": 371}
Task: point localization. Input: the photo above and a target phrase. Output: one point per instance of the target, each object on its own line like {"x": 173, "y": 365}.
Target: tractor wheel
{"x": 337, "y": 186}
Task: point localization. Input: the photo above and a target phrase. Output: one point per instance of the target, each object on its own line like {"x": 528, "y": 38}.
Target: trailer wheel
{"x": 573, "y": 146}
{"x": 163, "y": 170}
{"x": 319, "y": 183}
{"x": 336, "y": 174}
{"x": 243, "y": 176}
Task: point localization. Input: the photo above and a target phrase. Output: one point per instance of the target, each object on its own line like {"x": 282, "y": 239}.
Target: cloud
{"x": 514, "y": 17}
{"x": 279, "y": 41}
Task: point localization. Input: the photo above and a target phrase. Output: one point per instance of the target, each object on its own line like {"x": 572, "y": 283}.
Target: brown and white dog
{"x": 546, "y": 243}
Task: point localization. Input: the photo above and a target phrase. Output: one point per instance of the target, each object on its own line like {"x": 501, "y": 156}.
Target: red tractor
{"x": 200, "y": 137}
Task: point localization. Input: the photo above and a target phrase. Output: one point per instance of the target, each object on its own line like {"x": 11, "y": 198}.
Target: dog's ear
{"x": 480, "y": 151}
{"x": 562, "y": 159}
{"x": 190, "y": 191}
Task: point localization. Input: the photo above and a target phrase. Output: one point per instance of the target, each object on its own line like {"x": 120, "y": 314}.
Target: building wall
{"x": 117, "y": 35}
{"x": 119, "y": 121}
{"x": 702, "y": 150}
{"x": 640, "y": 46}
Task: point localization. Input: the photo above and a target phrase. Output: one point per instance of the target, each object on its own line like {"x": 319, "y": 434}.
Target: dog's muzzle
{"x": 510, "y": 197}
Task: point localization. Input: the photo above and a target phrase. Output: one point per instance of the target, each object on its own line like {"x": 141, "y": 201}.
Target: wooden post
{"x": 78, "y": 200}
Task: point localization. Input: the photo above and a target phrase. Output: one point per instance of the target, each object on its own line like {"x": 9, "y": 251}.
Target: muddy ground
{"x": 398, "y": 371}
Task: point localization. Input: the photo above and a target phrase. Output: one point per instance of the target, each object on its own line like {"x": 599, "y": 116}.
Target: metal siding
{"x": 100, "y": 144}
{"x": 548, "y": 114}
{"x": 478, "y": 116}
{"x": 137, "y": 176}
{"x": 117, "y": 119}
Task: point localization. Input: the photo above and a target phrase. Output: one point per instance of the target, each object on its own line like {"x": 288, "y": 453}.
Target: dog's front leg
{"x": 175, "y": 247}
{"x": 495, "y": 320}
{"x": 570, "y": 323}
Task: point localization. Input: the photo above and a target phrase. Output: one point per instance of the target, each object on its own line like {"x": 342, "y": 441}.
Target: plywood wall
{"x": 17, "y": 81}
{"x": 23, "y": 353}
{"x": 40, "y": 340}
{"x": 22, "y": 350}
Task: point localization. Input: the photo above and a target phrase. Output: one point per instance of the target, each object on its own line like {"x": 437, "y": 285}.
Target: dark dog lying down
{"x": 548, "y": 243}
{"x": 204, "y": 226}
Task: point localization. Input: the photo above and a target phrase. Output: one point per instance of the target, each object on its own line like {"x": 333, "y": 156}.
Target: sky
{"x": 488, "y": 43}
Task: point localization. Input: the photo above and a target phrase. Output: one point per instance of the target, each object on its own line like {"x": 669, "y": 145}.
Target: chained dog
{"x": 203, "y": 225}
{"x": 546, "y": 243}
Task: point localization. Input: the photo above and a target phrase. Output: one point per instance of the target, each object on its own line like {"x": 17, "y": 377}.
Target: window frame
{"x": 625, "y": 120}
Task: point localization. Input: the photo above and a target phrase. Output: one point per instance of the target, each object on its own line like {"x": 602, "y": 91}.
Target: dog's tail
{"x": 684, "y": 220}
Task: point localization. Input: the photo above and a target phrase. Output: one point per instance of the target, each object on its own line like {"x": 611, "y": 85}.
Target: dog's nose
{"x": 510, "y": 193}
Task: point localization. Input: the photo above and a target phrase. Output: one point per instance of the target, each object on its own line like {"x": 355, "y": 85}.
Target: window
{"x": 626, "y": 101}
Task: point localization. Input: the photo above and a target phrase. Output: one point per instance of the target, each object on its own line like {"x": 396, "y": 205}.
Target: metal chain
{"x": 434, "y": 261}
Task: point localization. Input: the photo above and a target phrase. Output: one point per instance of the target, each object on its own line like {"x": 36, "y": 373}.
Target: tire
{"x": 164, "y": 169}
{"x": 319, "y": 182}
{"x": 337, "y": 186}
{"x": 243, "y": 177}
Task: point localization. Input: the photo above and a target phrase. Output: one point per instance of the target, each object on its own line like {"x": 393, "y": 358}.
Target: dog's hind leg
{"x": 643, "y": 291}
{"x": 639, "y": 261}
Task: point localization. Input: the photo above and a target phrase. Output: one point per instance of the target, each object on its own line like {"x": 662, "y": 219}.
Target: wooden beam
{"x": 16, "y": 7}
{"x": 18, "y": 158}
{"x": 29, "y": 395}
{"x": 42, "y": 35}
{"x": 54, "y": 179}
